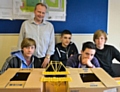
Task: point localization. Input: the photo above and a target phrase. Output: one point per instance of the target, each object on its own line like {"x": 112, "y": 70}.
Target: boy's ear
{"x": 81, "y": 51}
{"x": 60, "y": 38}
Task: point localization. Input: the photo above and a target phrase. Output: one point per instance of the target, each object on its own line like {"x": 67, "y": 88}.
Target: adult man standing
{"x": 42, "y": 32}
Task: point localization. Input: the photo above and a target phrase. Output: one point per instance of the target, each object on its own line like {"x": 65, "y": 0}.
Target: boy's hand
{"x": 87, "y": 62}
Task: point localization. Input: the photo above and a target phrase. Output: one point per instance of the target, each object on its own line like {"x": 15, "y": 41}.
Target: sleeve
{"x": 37, "y": 62}
{"x": 95, "y": 62}
{"x": 6, "y": 65}
{"x": 21, "y": 35}
{"x": 71, "y": 62}
{"x": 51, "y": 46}
{"x": 116, "y": 54}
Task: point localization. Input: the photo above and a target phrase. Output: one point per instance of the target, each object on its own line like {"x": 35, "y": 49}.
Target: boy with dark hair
{"x": 65, "y": 48}
{"x": 86, "y": 59}
{"x": 66, "y": 32}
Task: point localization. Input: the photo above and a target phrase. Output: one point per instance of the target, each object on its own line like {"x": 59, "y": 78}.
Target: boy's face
{"x": 65, "y": 39}
{"x": 28, "y": 51}
{"x": 87, "y": 54}
{"x": 100, "y": 41}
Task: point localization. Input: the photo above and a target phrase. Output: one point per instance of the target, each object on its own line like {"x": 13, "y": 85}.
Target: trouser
{"x": 42, "y": 59}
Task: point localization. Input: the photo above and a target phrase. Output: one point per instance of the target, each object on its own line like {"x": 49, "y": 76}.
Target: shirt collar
{"x": 33, "y": 21}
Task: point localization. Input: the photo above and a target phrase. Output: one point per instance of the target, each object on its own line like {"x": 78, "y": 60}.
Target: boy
{"x": 105, "y": 53}
{"x": 65, "y": 48}
{"x": 86, "y": 59}
{"x": 23, "y": 58}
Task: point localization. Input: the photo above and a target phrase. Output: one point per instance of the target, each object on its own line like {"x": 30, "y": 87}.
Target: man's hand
{"x": 45, "y": 62}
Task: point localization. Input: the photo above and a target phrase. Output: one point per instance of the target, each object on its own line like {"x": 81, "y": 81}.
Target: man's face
{"x": 100, "y": 41}
{"x": 65, "y": 39}
{"x": 39, "y": 13}
{"x": 28, "y": 51}
{"x": 88, "y": 54}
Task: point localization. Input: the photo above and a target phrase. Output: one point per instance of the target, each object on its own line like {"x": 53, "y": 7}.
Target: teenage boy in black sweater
{"x": 105, "y": 53}
{"x": 65, "y": 48}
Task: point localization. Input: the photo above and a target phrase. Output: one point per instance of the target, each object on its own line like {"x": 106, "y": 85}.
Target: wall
{"x": 83, "y": 16}
{"x": 114, "y": 24}
{"x": 9, "y": 42}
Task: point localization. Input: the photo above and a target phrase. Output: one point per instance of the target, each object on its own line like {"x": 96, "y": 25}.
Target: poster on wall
{"x": 23, "y": 9}
{"x": 6, "y": 9}
{"x": 56, "y": 9}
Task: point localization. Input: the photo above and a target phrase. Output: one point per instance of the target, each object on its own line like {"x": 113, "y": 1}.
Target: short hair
{"x": 66, "y": 32}
{"x": 28, "y": 42}
{"x": 41, "y": 5}
{"x": 89, "y": 45}
{"x": 99, "y": 33}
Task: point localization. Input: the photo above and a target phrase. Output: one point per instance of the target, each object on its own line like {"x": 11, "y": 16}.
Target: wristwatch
{"x": 48, "y": 57}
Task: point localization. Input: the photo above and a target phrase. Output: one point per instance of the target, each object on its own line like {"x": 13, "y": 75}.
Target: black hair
{"x": 66, "y": 32}
{"x": 89, "y": 45}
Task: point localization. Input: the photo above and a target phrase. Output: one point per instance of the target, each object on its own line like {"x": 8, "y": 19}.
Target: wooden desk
{"x": 117, "y": 79}
{"x": 34, "y": 84}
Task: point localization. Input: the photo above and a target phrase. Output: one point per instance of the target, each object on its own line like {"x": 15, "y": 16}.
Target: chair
{"x": 5, "y": 65}
{"x": 116, "y": 69}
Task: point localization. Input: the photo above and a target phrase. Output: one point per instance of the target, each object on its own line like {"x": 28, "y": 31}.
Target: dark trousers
{"x": 42, "y": 59}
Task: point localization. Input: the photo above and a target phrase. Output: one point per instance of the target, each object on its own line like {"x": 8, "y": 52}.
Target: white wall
{"x": 114, "y": 24}
{"x": 9, "y": 42}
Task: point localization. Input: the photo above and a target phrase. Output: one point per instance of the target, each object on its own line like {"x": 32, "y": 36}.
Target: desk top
{"x": 117, "y": 79}
{"x": 77, "y": 84}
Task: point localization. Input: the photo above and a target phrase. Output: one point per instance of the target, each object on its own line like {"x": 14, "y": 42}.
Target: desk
{"x": 117, "y": 79}
{"x": 33, "y": 82}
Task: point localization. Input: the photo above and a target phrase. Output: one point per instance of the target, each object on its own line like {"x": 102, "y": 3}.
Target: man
{"x": 86, "y": 59}
{"x": 105, "y": 53}
{"x": 23, "y": 58}
{"x": 42, "y": 32}
{"x": 65, "y": 48}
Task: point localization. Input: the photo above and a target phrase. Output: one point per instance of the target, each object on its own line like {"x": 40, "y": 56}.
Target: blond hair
{"x": 99, "y": 33}
{"x": 28, "y": 42}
